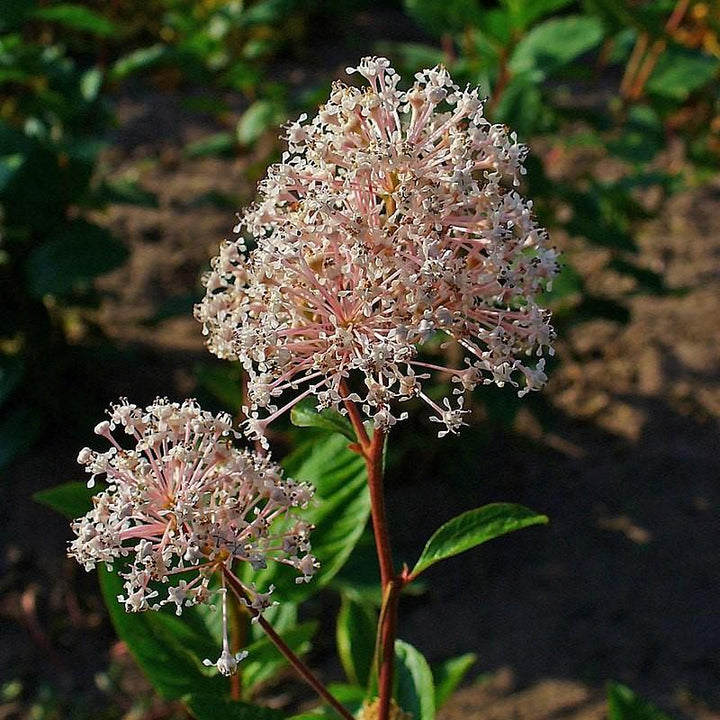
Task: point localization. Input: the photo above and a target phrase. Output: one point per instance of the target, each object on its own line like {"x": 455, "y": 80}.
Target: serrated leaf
{"x": 76, "y": 17}
{"x": 474, "y": 528}
{"x": 449, "y": 674}
{"x": 71, "y": 258}
{"x": 304, "y": 414}
{"x": 624, "y": 704}
{"x": 555, "y": 43}
{"x": 205, "y": 706}
{"x": 355, "y": 635}
{"x": 414, "y": 691}
{"x": 72, "y": 499}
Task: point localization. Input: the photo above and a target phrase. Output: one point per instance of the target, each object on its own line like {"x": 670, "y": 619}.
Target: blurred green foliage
{"x": 583, "y": 81}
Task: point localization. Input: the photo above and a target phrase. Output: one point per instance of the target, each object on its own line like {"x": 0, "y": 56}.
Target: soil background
{"x": 622, "y": 584}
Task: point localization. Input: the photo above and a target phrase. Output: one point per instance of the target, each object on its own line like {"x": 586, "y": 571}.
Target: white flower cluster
{"x": 182, "y": 504}
{"x": 389, "y": 220}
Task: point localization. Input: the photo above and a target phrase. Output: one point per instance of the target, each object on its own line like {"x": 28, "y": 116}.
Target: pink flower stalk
{"x": 389, "y": 221}
{"x": 182, "y": 504}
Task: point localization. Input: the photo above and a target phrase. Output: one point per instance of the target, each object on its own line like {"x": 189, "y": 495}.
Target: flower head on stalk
{"x": 182, "y": 504}
{"x": 391, "y": 219}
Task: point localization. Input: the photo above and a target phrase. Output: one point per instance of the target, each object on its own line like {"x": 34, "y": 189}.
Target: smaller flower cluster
{"x": 182, "y": 504}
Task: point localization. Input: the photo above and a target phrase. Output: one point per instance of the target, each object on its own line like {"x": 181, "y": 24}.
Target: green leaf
{"x": 351, "y": 696}
{"x": 126, "y": 192}
{"x": 681, "y": 71}
{"x": 12, "y": 372}
{"x": 304, "y": 414}
{"x": 71, "y": 258}
{"x": 72, "y": 499}
{"x": 9, "y": 165}
{"x": 139, "y": 60}
{"x": 90, "y": 84}
{"x": 76, "y": 17}
{"x": 256, "y": 120}
{"x": 355, "y": 635}
{"x": 19, "y": 429}
{"x": 223, "y": 382}
{"x": 205, "y": 706}
{"x": 414, "y": 691}
{"x": 339, "y": 513}
{"x": 524, "y": 13}
{"x": 443, "y": 16}
{"x": 449, "y": 674}
{"x": 555, "y": 43}
{"x": 264, "y": 660}
{"x": 624, "y": 704}
{"x": 219, "y": 144}
{"x": 169, "y": 649}
{"x": 473, "y": 528}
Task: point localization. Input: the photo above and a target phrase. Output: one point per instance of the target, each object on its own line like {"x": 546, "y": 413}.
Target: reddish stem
{"x": 372, "y": 450}
{"x": 300, "y": 667}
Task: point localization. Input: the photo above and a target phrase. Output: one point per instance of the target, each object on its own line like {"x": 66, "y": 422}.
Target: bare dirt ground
{"x": 622, "y": 584}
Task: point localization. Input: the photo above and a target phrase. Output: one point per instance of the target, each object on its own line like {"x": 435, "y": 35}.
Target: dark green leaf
{"x": 444, "y": 16}
{"x": 350, "y": 696}
{"x": 19, "y": 429}
{"x": 521, "y": 105}
{"x": 624, "y": 704}
{"x": 449, "y": 674}
{"x": 355, "y": 635}
{"x": 169, "y": 649}
{"x": 72, "y": 499}
{"x": 223, "y": 382}
{"x": 175, "y": 306}
{"x": 647, "y": 279}
{"x": 339, "y": 512}
{"x": 126, "y": 192}
{"x": 219, "y": 144}
{"x": 414, "y": 692}
{"x": 264, "y": 659}
{"x": 523, "y": 13}
{"x": 76, "y": 17}
{"x": 71, "y": 258}
{"x": 12, "y": 371}
{"x": 681, "y": 71}
{"x": 473, "y": 528}
{"x": 205, "y": 706}
{"x": 304, "y": 414}
{"x": 555, "y": 43}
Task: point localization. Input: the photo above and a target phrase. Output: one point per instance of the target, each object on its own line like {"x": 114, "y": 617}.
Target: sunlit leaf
{"x": 474, "y": 528}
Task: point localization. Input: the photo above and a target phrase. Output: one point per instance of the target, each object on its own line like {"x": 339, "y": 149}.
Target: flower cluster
{"x": 182, "y": 505}
{"x": 390, "y": 220}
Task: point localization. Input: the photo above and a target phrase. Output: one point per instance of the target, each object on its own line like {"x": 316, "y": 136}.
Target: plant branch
{"x": 300, "y": 667}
